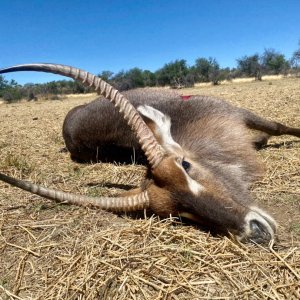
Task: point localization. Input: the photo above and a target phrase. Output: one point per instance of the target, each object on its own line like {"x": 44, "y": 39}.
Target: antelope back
{"x": 98, "y": 125}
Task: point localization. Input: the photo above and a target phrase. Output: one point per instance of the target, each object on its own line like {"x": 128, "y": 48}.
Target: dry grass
{"x": 241, "y": 80}
{"x": 52, "y": 251}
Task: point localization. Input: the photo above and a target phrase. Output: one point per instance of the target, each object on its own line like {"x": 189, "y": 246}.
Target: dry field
{"x": 58, "y": 251}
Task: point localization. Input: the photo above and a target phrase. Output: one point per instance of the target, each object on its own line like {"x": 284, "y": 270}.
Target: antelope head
{"x": 178, "y": 185}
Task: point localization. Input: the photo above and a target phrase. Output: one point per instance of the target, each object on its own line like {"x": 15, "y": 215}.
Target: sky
{"x": 119, "y": 35}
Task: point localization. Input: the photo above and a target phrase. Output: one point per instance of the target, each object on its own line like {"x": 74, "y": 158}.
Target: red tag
{"x": 185, "y": 97}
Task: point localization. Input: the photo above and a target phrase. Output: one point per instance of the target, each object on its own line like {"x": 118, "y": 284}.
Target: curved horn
{"x": 153, "y": 151}
{"x": 114, "y": 204}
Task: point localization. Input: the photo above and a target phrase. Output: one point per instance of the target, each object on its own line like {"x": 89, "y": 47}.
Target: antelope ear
{"x": 160, "y": 125}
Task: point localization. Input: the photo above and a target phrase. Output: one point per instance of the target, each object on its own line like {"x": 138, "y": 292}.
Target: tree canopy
{"x": 176, "y": 74}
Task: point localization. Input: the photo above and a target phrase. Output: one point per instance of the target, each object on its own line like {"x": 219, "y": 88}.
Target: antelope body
{"x": 200, "y": 156}
{"x": 96, "y": 131}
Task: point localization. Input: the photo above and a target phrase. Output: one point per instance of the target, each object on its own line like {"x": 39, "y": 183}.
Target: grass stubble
{"x": 57, "y": 251}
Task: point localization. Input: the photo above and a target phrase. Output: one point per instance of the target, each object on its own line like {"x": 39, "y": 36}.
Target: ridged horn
{"x": 152, "y": 149}
{"x": 114, "y": 204}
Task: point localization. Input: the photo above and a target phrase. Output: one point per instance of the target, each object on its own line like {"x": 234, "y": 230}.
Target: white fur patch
{"x": 188, "y": 216}
{"x": 163, "y": 127}
{"x": 163, "y": 130}
{"x": 195, "y": 187}
{"x": 265, "y": 215}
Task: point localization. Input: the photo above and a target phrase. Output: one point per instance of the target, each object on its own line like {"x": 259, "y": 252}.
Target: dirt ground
{"x": 57, "y": 251}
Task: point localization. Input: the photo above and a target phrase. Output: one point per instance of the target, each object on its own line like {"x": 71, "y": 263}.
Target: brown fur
{"x": 212, "y": 137}
{"x": 97, "y": 132}
{"x": 206, "y": 161}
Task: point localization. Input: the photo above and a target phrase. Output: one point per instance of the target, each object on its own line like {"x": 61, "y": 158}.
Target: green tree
{"x": 120, "y": 81}
{"x": 11, "y": 94}
{"x": 10, "y": 91}
{"x": 52, "y": 87}
{"x": 3, "y": 85}
{"x": 106, "y": 75}
{"x": 29, "y": 91}
{"x": 202, "y": 69}
{"x": 149, "y": 78}
{"x": 274, "y": 62}
{"x": 215, "y": 75}
{"x": 136, "y": 77}
{"x": 207, "y": 70}
{"x": 78, "y": 88}
{"x": 130, "y": 79}
{"x": 295, "y": 60}
{"x": 250, "y": 66}
{"x": 173, "y": 74}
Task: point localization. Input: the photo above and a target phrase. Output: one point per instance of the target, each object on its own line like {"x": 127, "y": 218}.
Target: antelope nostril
{"x": 260, "y": 227}
{"x": 259, "y": 232}
{"x": 255, "y": 226}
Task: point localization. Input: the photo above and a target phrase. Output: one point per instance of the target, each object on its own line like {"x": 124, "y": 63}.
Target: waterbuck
{"x": 200, "y": 157}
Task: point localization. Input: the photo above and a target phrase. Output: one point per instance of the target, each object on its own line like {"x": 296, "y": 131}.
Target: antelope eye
{"x": 186, "y": 165}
